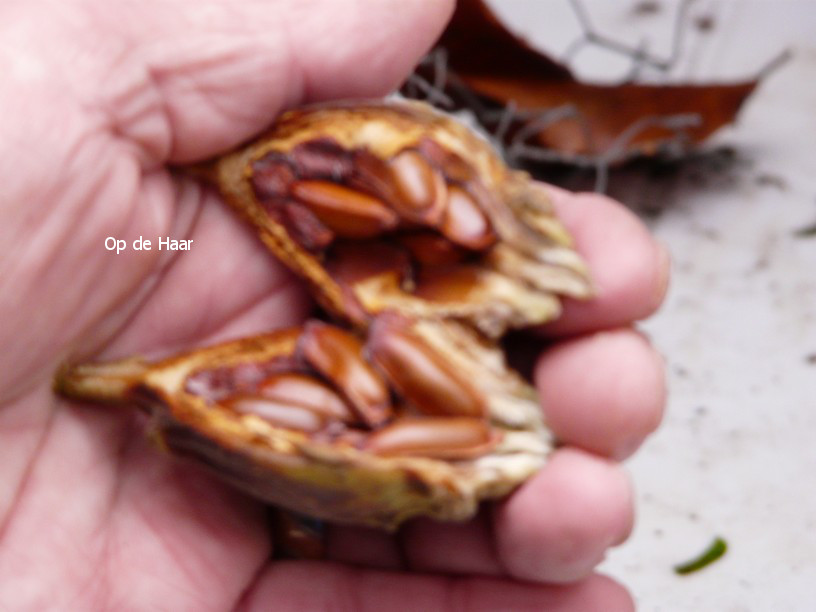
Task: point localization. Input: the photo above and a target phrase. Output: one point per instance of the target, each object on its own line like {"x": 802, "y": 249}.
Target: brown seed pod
{"x": 423, "y": 248}
{"x": 324, "y": 176}
{"x": 247, "y": 410}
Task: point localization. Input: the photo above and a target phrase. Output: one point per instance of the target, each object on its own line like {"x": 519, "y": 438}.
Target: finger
{"x": 604, "y": 392}
{"x": 134, "y": 518}
{"x": 629, "y": 268}
{"x": 421, "y": 545}
{"x": 327, "y": 586}
{"x": 198, "y": 78}
{"x": 451, "y": 548}
{"x": 363, "y": 546}
{"x": 558, "y": 525}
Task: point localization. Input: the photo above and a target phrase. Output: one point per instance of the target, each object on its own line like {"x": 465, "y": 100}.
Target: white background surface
{"x": 736, "y": 455}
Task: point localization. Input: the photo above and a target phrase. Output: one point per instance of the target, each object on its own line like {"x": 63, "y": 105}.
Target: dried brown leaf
{"x": 611, "y": 120}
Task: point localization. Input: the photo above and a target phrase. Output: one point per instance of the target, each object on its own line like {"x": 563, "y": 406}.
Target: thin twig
{"x": 508, "y": 114}
{"x": 638, "y": 54}
{"x": 774, "y": 64}
{"x": 617, "y": 151}
{"x": 545, "y": 118}
{"x": 435, "y": 96}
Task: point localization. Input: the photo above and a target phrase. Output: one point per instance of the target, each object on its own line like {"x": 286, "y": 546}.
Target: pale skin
{"x": 98, "y": 99}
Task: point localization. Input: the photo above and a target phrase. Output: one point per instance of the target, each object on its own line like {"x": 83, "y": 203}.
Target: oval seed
{"x": 456, "y": 169}
{"x": 372, "y": 175}
{"x": 450, "y": 284}
{"x": 420, "y": 374}
{"x": 322, "y": 158}
{"x": 432, "y": 249}
{"x": 435, "y": 438}
{"x": 271, "y": 177}
{"x": 465, "y": 223}
{"x": 304, "y": 226}
{"x": 338, "y": 356}
{"x": 301, "y": 390}
{"x": 280, "y": 414}
{"x": 348, "y": 213}
{"x": 420, "y": 187}
{"x": 352, "y": 262}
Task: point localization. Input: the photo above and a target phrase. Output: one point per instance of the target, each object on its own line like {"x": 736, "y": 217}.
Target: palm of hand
{"x": 91, "y": 515}
{"x": 91, "y": 510}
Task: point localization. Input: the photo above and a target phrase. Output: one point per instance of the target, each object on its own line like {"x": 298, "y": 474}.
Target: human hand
{"x": 98, "y": 98}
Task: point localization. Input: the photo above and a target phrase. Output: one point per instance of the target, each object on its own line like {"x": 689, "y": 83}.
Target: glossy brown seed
{"x": 322, "y": 158}
{"x": 419, "y": 373}
{"x": 372, "y": 175}
{"x": 420, "y": 188}
{"x": 280, "y": 414}
{"x": 304, "y": 226}
{"x": 338, "y": 356}
{"x": 348, "y": 213}
{"x": 301, "y": 390}
{"x": 432, "y": 249}
{"x": 465, "y": 223}
{"x": 271, "y": 177}
{"x": 436, "y": 438}
{"x": 455, "y": 168}
{"x": 351, "y": 262}
{"x": 215, "y": 384}
{"x": 457, "y": 283}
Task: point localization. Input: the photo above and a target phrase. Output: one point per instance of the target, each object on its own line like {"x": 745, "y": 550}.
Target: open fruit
{"x": 423, "y": 249}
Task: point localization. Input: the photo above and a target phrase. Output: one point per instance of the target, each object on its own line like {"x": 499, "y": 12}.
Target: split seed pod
{"x": 423, "y": 248}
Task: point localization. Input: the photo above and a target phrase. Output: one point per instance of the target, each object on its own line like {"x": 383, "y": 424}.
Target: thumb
{"x": 199, "y": 77}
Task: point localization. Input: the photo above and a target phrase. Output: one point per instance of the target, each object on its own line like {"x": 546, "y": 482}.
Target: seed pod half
{"x": 231, "y": 408}
{"x": 392, "y": 170}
